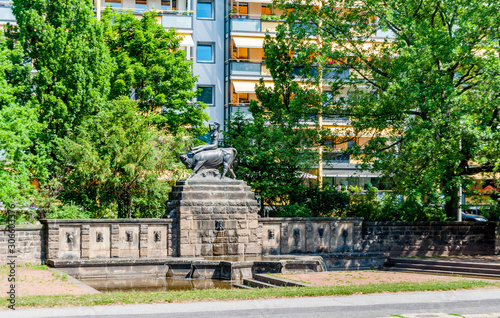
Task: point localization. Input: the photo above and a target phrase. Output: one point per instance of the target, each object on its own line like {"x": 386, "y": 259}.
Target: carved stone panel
{"x": 296, "y": 238}
{"x": 157, "y": 241}
{"x": 100, "y": 242}
{"x": 344, "y": 237}
{"x": 319, "y": 239}
{"x": 128, "y": 241}
{"x": 69, "y": 241}
{"x": 271, "y": 238}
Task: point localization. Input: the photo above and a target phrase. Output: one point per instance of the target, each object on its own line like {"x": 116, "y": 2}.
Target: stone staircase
{"x": 266, "y": 281}
{"x": 442, "y": 267}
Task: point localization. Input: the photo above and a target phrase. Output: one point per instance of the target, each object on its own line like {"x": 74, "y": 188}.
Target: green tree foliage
{"x": 429, "y": 96}
{"x": 277, "y": 145}
{"x": 114, "y": 160}
{"x": 18, "y": 127}
{"x": 66, "y": 47}
{"x": 153, "y": 70}
{"x": 268, "y": 157}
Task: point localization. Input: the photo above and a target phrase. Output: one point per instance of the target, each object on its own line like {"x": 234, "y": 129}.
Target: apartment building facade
{"x": 224, "y": 40}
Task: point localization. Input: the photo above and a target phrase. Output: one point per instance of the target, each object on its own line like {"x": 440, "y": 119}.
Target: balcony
{"x": 247, "y": 23}
{"x": 329, "y": 72}
{"x": 177, "y": 20}
{"x": 6, "y": 14}
{"x": 241, "y": 108}
{"x": 246, "y": 68}
{"x": 335, "y": 157}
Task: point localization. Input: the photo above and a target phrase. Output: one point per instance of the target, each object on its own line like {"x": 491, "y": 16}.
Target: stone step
{"x": 452, "y": 269}
{"x": 445, "y": 263}
{"x": 212, "y": 187}
{"x": 212, "y": 195}
{"x": 470, "y": 269}
{"x": 278, "y": 281}
{"x": 257, "y": 284}
{"x": 440, "y": 272}
{"x": 210, "y": 181}
{"x": 241, "y": 286}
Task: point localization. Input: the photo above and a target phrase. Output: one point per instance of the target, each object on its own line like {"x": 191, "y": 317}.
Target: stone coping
{"x": 100, "y": 221}
{"x": 24, "y": 227}
{"x": 312, "y": 219}
{"x": 357, "y": 255}
{"x": 428, "y": 223}
{"x": 77, "y": 262}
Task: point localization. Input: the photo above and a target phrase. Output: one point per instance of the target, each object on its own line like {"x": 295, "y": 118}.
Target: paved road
{"x": 485, "y": 301}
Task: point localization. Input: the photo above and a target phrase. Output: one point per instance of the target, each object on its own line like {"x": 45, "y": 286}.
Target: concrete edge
{"x": 283, "y": 281}
{"x": 75, "y": 281}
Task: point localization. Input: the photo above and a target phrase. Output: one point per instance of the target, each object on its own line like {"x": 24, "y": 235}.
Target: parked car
{"x": 473, "y": 218}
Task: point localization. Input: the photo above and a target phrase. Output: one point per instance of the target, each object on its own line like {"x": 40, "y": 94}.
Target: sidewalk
{"x": 485, "y": 302}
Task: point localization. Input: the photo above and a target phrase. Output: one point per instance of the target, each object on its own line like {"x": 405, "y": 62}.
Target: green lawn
{"x": 237, "y": 294}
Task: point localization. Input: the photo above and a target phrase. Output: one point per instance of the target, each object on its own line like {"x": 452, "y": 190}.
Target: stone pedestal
{"x": 215, "y": 217}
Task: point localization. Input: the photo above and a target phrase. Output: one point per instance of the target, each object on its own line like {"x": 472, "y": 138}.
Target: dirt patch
{"x": 38, "y": 282}
{"x": 362, "y": 277}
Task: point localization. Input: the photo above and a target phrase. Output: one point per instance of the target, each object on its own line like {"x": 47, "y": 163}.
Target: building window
{"x": 206, "y": 95}
{"x": 168, "y": 5}
{"x": 240, "y": 8}
{"x": 141, "y": 4}
{"x": 266, "y": 9}
{"x": 205, "y": 53}
{"x": 205, "y": 9}
{"x": 114, "y": 3}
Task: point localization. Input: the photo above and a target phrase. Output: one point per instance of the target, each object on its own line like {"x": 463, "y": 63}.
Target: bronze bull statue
{"x": 210, "y": 159}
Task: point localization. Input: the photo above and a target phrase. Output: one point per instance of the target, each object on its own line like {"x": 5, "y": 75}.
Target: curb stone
{"x": 442, "y": 315}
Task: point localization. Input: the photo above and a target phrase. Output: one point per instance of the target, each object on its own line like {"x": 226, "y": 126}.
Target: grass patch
{"x": 237, "y": 294}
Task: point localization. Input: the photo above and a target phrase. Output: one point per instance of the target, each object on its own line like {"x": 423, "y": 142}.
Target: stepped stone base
{"x": 215, "y": 216}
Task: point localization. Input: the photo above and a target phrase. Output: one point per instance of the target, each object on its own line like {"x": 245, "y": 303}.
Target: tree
{"x": 114, "y": 161}
{"x": 428, "y": 96}
{"x": 277, "y": 145}
{"x": 18, "y": 127}
{"x": 153, "y": 70}
{"x": 66, "y": 47}
{"x": 269, "y": 157}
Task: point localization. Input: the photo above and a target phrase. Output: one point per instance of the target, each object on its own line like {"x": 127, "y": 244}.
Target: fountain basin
{"x": 221, "y": 268}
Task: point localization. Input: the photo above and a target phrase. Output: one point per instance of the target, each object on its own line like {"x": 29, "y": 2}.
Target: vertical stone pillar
{"x": 85, "y": 239}
{"x": 115, "y": 238}
{"x": 52, "y": 240}
{"x": 284, "y": 237}
{"x": 215, "y": 217}
{"x": 143, "y": 240}
{"x": 357, "y": 235}
{"x": 497, "y": 238}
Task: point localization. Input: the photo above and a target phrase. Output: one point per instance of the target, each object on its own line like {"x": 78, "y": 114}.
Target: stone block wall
{"x": 310, "y": 235}
{"x": 431, "y": 238}
{"x": 29, "y": 242}
{"x": 101, "y": 238}
{"x": 215, "y": 217}
{"x": 497, "y": 238}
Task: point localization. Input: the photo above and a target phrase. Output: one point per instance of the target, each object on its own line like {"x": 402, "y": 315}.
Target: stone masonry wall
{"x": 431, "y": 238}
{"x": 310, "y": 235}
{"x": 29, "y": 242}
{"x": 279, "y": 236}
{"x": 497, "y": 238}
{"x": 104, "y": 239}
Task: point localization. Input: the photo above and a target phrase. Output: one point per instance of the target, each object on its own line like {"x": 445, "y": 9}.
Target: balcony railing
{"x": 249, "y": 25}
{"x": 335, "y": 157}
{"x": 6, "y": 14}
{"x": 246, "y": 68}
{"x": 241, "y": 108}
{"x": 252, "y": 23}
{"x": 177, "y": 20}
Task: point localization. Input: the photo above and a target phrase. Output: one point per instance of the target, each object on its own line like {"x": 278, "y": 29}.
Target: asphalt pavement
{"x": 469, "y": 303}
